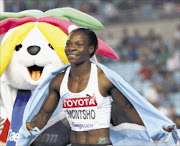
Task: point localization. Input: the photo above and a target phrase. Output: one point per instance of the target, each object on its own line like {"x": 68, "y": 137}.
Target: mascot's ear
{"x": 75, "y": 16}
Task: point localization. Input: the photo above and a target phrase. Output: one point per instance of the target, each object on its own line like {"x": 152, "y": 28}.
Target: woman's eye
{"x": 79, "y": 45}
{"x": 67, "y": 44}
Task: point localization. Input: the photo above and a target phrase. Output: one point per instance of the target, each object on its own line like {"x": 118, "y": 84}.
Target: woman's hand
{"x": 28, "y": 126}
{"x": 169, "y": 128}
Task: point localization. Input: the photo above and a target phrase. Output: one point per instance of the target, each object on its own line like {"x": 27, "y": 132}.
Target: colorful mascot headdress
{"x": 54, "y": 24}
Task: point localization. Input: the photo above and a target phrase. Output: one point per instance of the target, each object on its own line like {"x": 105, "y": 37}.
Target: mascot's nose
{"x": 33, "y": 50}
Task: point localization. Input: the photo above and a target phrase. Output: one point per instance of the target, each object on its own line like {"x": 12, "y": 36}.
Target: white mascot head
{"x": 32, "y": 60}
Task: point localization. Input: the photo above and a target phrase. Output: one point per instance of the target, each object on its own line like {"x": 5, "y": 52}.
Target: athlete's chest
{"x": 77, "y": 85}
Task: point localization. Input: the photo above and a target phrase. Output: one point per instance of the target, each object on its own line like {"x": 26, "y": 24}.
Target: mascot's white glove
{"x": 2, "y": 119}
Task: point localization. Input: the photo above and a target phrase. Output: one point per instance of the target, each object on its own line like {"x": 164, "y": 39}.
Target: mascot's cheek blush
{"x": 35, "y": 72}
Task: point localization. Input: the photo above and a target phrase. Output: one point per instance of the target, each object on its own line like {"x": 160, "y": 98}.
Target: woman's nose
{"x": 72, "y": 47}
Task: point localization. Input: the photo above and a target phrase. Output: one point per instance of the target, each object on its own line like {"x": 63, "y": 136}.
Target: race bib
{"x": 81, "y": 113}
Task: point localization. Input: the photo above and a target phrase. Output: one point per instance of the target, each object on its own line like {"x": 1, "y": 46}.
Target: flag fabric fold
{"x": 154, "y": 120}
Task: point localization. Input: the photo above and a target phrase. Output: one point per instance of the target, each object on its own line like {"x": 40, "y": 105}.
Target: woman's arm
{"x": 124, "y": 105}
{"x": 47, "y": 108}
{"x": 121, "y": 103}
{"x": 125, "y": 110}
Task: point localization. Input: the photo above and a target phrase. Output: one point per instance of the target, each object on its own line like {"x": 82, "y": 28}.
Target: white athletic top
{"x": 86, "y": 110}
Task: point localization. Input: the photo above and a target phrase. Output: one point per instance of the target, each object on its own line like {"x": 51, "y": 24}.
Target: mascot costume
{"x": 32, "y": 46}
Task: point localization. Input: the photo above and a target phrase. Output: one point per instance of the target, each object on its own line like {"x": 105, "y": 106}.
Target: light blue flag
{"x": 150, "y": 134}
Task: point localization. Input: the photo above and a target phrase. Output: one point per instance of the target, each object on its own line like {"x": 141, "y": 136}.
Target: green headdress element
{"x": 67, "y": 13}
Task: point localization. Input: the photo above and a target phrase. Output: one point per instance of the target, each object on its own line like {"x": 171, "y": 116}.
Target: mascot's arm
{"x": 7, "y": 97}
{"x": 4, "y": 127}
{"x": 4, "y": 123}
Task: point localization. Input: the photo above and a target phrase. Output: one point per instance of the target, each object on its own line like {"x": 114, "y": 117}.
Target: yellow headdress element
{"x": 56, "y": 37}
{"x": 15, "y": 38}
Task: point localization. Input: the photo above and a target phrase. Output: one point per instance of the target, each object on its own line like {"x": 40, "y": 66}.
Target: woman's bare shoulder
{"x": 103, "y": 80}
{"x": 57, "y": 80}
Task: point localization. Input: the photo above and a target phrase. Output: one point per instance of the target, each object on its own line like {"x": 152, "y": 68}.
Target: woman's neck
{"x": 80, "y": 70}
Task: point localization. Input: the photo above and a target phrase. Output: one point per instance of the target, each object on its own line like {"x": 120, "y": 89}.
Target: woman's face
{"x": 77, "y": 49}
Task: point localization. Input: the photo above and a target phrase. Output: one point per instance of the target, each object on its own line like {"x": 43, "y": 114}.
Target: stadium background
{"x": 146, "y": 36}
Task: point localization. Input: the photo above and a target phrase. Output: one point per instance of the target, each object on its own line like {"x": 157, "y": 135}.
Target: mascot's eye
{"x": 18, "y": 47}
{"x": 51, "y": 46}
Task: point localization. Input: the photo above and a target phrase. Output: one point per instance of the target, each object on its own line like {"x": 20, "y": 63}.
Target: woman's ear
{"x": 91, "y": 49}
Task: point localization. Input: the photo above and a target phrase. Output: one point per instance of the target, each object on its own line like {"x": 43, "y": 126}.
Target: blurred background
{"x": 146, "y": 36}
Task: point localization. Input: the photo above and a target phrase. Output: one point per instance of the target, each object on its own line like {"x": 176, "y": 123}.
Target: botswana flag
{"x": 123, "y": 134}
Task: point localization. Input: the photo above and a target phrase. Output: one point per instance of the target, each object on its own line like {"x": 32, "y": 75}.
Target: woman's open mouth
{"x": 35, "y": 72}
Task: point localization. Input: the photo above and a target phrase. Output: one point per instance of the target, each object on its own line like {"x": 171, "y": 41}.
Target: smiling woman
{"x": 86, "y": 100}
{"x": 77, "y": 44}
{"x": 76, "y": 48}
{"x": 84, "y": 91}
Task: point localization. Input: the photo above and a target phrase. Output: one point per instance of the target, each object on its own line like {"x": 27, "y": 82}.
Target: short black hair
{"x": 91, "y": 36}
